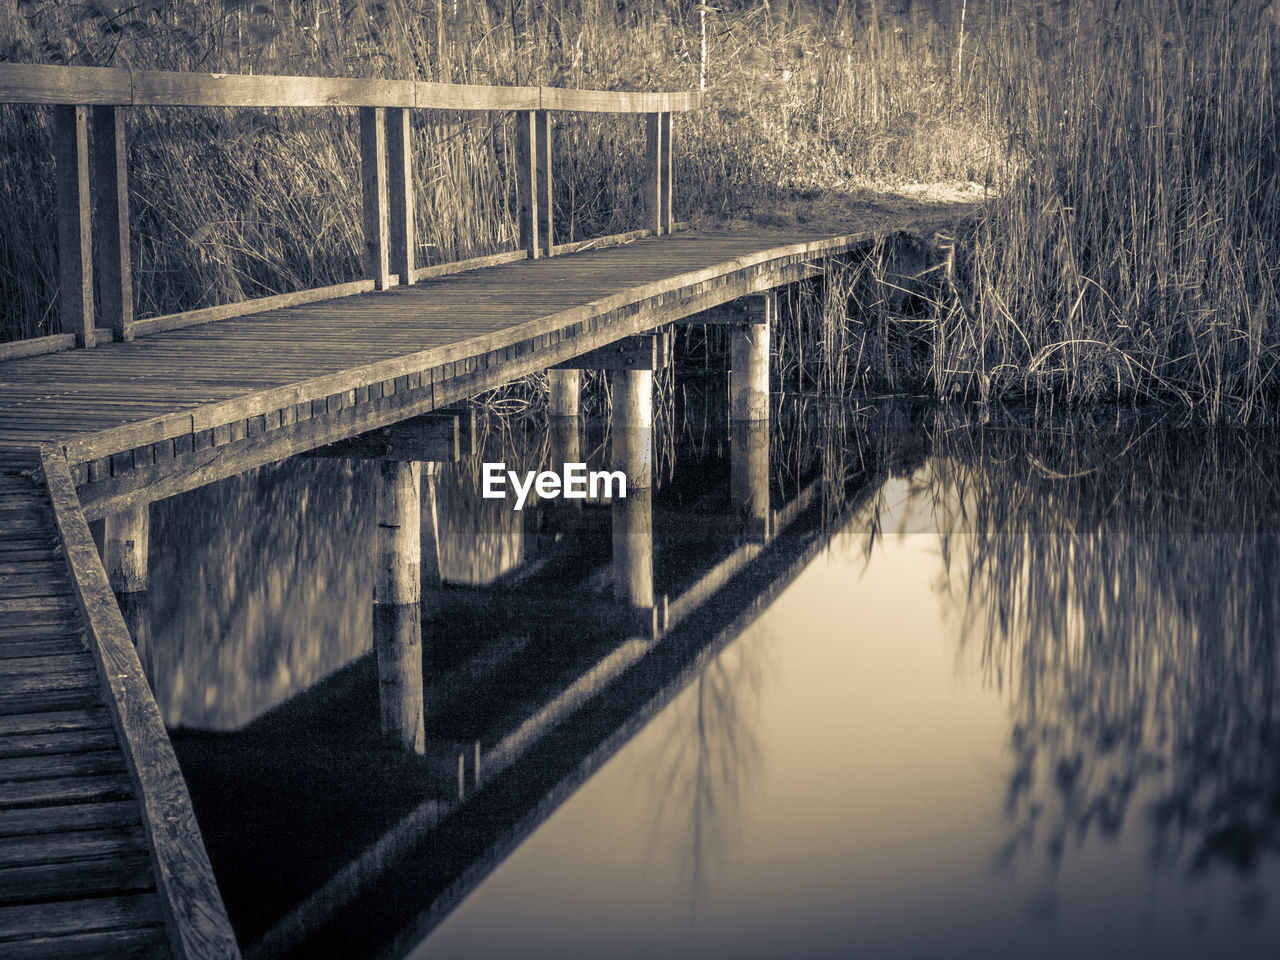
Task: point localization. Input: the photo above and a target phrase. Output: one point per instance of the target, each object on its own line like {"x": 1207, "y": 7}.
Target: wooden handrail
{"x": 79, "y": 94}
{"x": 114, "y": 86}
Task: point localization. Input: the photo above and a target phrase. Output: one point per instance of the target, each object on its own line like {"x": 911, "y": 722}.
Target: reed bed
{"x": 234, "y": 204}
{"x": 1133, "y": 255}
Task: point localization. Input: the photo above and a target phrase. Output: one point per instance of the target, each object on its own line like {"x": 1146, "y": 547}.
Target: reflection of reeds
{"x": 1121, "y": 587}
{"x": 708, "y": 758}
{"x": 264, "y": 589}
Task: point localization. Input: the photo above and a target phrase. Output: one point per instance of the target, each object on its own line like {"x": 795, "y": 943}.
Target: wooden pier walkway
{"x": 100, "y": 854}
{"x": 75, "y": 875}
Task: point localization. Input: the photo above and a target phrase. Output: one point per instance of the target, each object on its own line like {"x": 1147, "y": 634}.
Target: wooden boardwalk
{"x": 75, "y": 874}
{"x": 177, "y": 409}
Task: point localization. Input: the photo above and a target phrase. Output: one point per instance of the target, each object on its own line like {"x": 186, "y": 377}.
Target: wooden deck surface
{"x": 447, "y": 338}
{"x": 75, "y": 874}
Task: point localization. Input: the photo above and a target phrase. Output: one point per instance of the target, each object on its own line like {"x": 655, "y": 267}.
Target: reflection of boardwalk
{"x": 76, "y": 876}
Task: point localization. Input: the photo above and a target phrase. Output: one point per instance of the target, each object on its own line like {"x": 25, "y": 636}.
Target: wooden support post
{"x": 749, "y": 476}
{"x": 542, "y": 170}
{"x": 111, "y": 219}
{"x": 373, "y": 181}
{"x": 397, "y": 617}
{"x": 632, "y": 425}
{"x": 399, "y": 578}
{"x": 126, "y": 536}
{"x": 566, "y": 392}
{"x": 653, "y": 173}
{"x": 667, "y": 191}
{"x": 749, "y": 359}
{"x": 75, "y": 236}
{"x": 527, "y": 181}
{"x": 400, "y": 191}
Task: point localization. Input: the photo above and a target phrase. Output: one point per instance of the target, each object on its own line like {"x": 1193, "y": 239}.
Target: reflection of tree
{"x": 708, "y": 758}
{"x": 1121, "y": 593}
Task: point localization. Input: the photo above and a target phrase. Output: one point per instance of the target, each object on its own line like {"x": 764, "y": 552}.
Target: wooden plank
{"x": 542, "y": 170}
{"x": 87, "y": 877}
{"x": 53, "y": 722}
{"x": 226, "y": 311}
{"x": 69, "y": 817}
{"x": 29, "y": 793}
{"x": 472, "y": 97}
{"x": 641, "y": 352}
{"x": 667, "y": 189}
{"x": 400, "y": 193}
{"x": 527, "y": 181}
{"x": 474, "y": 263}
{"x": 653, "y": 173}
{"x": 37, "y": 83}
{"x": 373, "y": 182}
{"x": 79, "y": 916}
{"x": 111, "y": 226}
{"x": 35, "y": 346}
{"x": 142, "y": 943}
{"x": 73, "y": 845}
{"x": 195, "y": 917}
{"x": 430, "y": 438}
{"x": 600, "y": 243}
{"x": 51, "y": 744}
{"x": 75, "y": 238}
{"x": 160, "y": 88}
{"x": 605, "y": 101}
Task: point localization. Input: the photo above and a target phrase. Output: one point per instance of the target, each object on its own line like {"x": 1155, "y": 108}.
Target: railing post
{"x": 400, "y": 188}
{"x": 111, "y": 219}
{"x": 653, "y": 173}
{"x": 546, "y": 217}
{"x": 527, "y": 181}
{"x": 373, "y": 180}
{"x": 667, "y": 175}
{"x": 75, "y": 237}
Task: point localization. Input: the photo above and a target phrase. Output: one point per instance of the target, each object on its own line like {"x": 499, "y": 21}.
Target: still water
{"x": 919, "y": 687}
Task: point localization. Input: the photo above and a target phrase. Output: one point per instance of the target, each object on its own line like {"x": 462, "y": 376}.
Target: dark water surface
{"x": 961, "y": 690}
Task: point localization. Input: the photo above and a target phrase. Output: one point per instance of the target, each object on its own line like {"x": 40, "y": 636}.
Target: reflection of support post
{"x": 566, "y": 387}
{"x": 749, "y": 415}
{"x": 749, "y": 480}
{"x": 125, "y": 548}
{"x": 135, "y": 608}
{"x": 632, "y": 515}
{"x": 749, "y": 359}
{"x": 397, "y": 618}
{"x": 397, "y": 636}
{"x": 430, "y": 528}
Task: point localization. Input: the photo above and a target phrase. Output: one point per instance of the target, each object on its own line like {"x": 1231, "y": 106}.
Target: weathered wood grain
{"x": 373, "y": 182}
{"x": 195, "y": 918}
{"x": 75, "y": 233}
{"x": 400, "y": 193}
{"x": 527, "y": 181}
{"x": 110, "y": 167}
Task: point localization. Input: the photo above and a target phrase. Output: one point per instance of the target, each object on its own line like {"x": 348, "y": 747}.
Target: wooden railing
{"x": 91, "y": 171}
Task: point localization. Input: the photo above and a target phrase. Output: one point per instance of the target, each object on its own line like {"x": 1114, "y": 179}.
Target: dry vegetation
{"x": 1124, "y": 249}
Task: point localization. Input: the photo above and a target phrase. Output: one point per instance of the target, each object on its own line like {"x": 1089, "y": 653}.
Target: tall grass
{"x": 1133, "y": 256}
{"x": 230, "y": 204}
